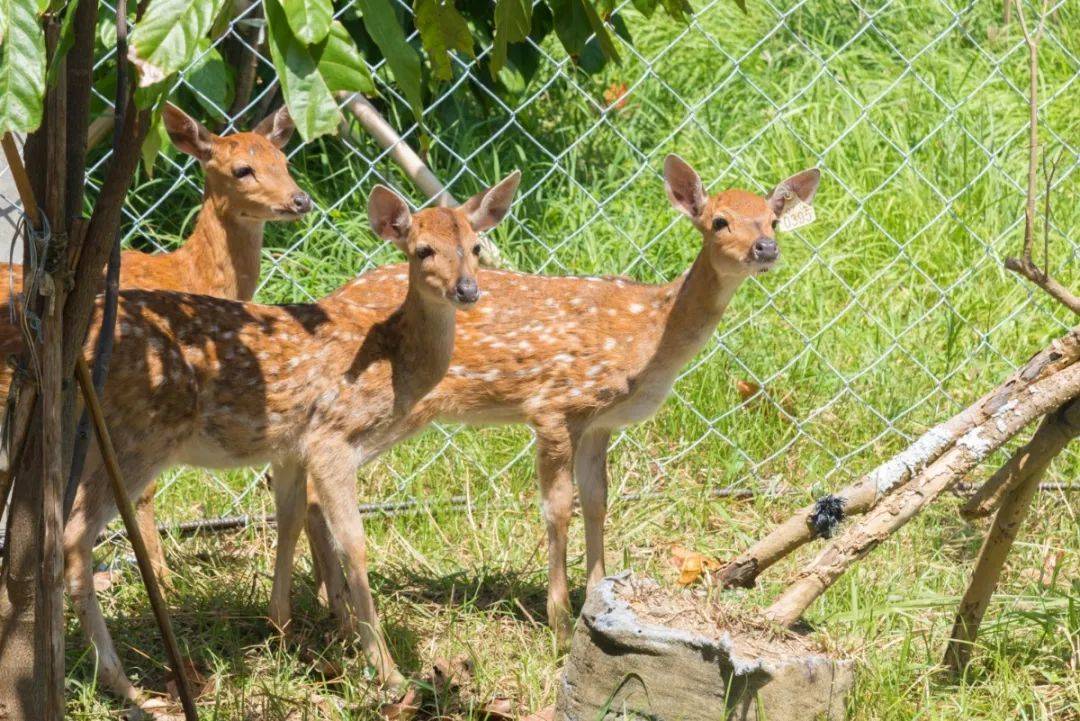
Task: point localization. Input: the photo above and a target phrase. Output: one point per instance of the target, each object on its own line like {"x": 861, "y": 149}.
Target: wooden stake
{"x": 131, "y": 525}
{"x": 1049, "y": 440}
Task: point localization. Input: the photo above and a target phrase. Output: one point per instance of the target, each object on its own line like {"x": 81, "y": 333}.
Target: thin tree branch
{"x": 1024, "y": 265}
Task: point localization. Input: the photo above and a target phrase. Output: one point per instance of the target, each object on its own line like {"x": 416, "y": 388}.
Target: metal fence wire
{"x": 888, "y": 313}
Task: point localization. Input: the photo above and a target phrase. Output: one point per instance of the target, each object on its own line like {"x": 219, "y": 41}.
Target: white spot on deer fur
{"x": 456, "y": 370}
{"x": 575, "y": 392}
{"x": 401, "y": 276}
{"x": 596, "y": 370}
{"x": 609, "y": 344}
{"x": 525, "y": 346}
{"x": 490, "y": 375}
{"x": 635, "y": 308}
{"x": 563, "y": 358}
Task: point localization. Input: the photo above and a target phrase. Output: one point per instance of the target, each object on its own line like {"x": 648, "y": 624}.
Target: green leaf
{"x": 67, "y": 39}
{"x": 22, "y": 68}
{"x": 155, "y": 138}
{"x": 404, "y": 62}
{"x": 309, "y": 98}
{"x": 678, "y": 9}
{"x": 309, "y": 19}
{"x": 575, "y": 22}
{"x": 512, "y": 21}
{"x": 341, "y": 65}
{"x": 442, "y": 29}
{"x": 600, "y": 30}
{"x": 165, "y": 40}
{"x": 646, "y": 7}
{"x": 106, "y": 31}
{"x": 3, "y": 21}
{"x": 741, "y": 4}
{"x": 211, "y": 79}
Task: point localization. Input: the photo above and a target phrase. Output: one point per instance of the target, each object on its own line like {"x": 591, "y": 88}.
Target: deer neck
{"x": 223, "y": 251}
{"x": 425, "y": 340}
{"x": 699, "y": 300}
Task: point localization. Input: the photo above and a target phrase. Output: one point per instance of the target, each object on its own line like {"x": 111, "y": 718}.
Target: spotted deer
{"x": 247, "y": 183}
{"x": 315, "y": 390}
{"x": 577, "y": 358}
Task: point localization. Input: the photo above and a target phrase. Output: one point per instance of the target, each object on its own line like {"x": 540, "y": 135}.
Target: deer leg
{"x": 329, "y": 580}
{"x": 91, "y": 511}
{"x": 289, "y": 503}
{"x": 334, "y": 483}
{"x": 144, "y": 514}
{"x": 590, "y": 472}
{"x": 554, "y": 466}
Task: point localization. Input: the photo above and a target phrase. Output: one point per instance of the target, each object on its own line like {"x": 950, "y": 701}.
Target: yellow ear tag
{"x": 796, "y": 215}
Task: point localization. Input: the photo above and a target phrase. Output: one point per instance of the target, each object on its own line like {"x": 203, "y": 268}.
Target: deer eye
{"x": 242, "y": 171}
{"x": 424, "y": 252}
{"x": 719, "y": 223}
{"x": 476, "y": 250}
{"x": 775, "y": 224}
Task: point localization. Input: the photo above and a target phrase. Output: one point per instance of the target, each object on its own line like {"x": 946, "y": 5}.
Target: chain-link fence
{"x": 889, "y": 312}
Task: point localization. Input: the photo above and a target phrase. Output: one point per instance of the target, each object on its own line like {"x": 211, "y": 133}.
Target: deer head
{"x": 739, "y": 227}
{"x": 441, "y": 243}
{"x": 246, "y": 173}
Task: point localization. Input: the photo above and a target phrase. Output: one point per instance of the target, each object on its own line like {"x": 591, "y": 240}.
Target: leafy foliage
{"x": 317, "y": 50}
{"x": 309, "y": 20}
{"x": 22, "y": 67}
{"x": 442, "y": 29}
{"x": 306, "y": 92}
{"x": 165, "y": 40}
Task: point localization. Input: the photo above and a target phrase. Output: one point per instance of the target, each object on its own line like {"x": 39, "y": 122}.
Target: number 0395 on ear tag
{"x": 796, "y": 215}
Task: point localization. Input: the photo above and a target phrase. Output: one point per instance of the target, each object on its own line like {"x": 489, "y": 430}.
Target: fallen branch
{"x": 900, "y": 507}
{"x": 862, "y": 495}
{"x": 1052, "y": 436}
{"x": 1029, "y": 461}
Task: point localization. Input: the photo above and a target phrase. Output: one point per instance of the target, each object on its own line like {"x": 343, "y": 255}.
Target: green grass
{"x": 889, "y": 313}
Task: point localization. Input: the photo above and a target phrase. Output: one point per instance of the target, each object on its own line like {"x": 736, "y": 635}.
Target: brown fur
{"x": 577, "y": 358}
{"x": 221, "y": 257}
{"x": 314, "y": 389}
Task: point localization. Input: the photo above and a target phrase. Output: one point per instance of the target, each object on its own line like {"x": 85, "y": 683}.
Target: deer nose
{"x": 765, "y": 250}
{"x": 466, "y": 290}
{"x": 301, "y": 202}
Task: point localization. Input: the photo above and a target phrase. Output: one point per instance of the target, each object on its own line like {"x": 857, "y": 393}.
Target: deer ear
{"x": 277, "y": 127}
{"x": 187, "y": 133}
{"x": 485, "y": 209}
{"x": 683, "y": 187}
{"x": 802, "y": 185}
{"x": 389, "y": 216}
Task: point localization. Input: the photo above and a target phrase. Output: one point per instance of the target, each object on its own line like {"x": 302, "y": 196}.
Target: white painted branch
{"x": 864, "y": 494}
{"x": 900, "y": 507}
{"x": 411, "y": 164}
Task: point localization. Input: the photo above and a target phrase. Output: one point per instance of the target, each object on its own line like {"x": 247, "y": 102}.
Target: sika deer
{"x": 315, "y": 390}
{"x": 247, "y": 184}
{"x": 577, "y": 358}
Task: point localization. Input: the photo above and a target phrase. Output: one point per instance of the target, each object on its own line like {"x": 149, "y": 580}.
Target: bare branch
{"x": 1054, "y": 289}
{"x": 1024, "y": 265}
